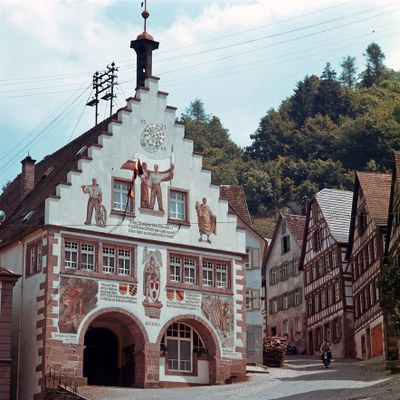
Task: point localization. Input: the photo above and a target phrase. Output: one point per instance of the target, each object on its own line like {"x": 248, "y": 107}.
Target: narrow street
{"x": 301, "y": 378}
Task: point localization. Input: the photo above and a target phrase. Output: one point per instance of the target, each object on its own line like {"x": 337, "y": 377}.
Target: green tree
{"x": 196, "y": 110}
{"x": 348, "y": 76}
{"x": 374, "y": 65}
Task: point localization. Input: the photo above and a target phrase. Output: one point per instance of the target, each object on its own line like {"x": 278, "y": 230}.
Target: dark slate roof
{"x": 296, "y": 225}
{"x": 376, "y": 189}
{"x": 49, "y": 172}
{"x": 335, "y": 206}
{"x": 234, "y": 194}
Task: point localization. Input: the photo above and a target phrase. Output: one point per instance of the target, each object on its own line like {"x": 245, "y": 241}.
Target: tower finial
{"x": 145, "y": 14}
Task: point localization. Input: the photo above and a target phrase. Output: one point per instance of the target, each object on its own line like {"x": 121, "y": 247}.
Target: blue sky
{"x": 240, "y": 57}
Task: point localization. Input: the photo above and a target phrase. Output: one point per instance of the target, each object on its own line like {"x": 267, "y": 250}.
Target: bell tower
{"x": 144, "y": 46}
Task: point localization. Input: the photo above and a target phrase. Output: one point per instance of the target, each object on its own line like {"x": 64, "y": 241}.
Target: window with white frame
{"x": 337, "y": 291}
{"x": 296, "y": 267}
{"x": 34, "y": 258}
{"x": 87, "y": 256}
{"x": 180, "y": 342}
{"x": 208, "y": 273}
{"x": 115, "y": 256}
{"x": 285, "y": 271}
{"x": 177, "y": 205}
{"x": 222, "y": 275}
{"x": 183, "y": 269}
{"x": 274, "y": 276}
{"x": 274, "y": 306}
{"x": 121, "y": 201}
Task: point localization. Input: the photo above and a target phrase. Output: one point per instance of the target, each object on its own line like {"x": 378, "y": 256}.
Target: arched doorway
{"x": 113, "y": 343}
{"x": 100, "y": 357}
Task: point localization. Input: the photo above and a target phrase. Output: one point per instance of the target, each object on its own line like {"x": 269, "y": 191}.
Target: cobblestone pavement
{"x": 301, "y": 378}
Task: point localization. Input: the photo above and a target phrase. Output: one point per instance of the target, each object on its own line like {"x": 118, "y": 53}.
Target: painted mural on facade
{"x": 152, "y": 263}
{"x": 77, "y": 298}
{"x": 219, "y": 311}
{"x": 206, "y": 219}
{"x": 94, "y": 204}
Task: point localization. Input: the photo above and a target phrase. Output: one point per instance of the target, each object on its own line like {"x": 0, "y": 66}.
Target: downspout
{"x": 20, "y": 317}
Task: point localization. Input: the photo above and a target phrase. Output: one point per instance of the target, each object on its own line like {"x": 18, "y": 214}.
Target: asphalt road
{"x": 302, "y": 378}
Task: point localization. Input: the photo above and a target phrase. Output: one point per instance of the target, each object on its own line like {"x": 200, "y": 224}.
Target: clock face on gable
{"x": 152, "y": 137}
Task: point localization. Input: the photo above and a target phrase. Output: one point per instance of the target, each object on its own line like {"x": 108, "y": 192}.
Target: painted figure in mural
{"x": 206, "y": 219}
{"x": 151, "y": 281}
{"x": 72, "y": 297}
{"x": 144, "y": 187}
{"x": 95, "y": 199}
{"x": 155, "y": 180}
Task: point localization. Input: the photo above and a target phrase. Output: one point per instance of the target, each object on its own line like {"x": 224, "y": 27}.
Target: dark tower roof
{"x": 144, "y": 46}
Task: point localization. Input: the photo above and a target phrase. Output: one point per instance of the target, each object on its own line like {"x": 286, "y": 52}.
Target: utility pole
{"x": 104, "y": 81}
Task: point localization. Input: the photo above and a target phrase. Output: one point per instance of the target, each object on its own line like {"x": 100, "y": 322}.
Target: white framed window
{"x": 109, "y": 260}
{"x": 124, "y": 262}
{"x": 285, "y": 271}
{"x": 71, "y": 254}
{"x": 120, "y": 196}
{"x": 34, "y": 258}
{"x": 175, "y": 269}
{"x": 222, "y": 275}
{"x": 190, "y": 270}
{"x": 177, "y": 205}
{"x": 180, "y": 342}
{"x": 297, "y": 297}
{"x": 274, "y": 276}
{"x": 248, "y": 300}
{"x": 285, "y": 301}
{"x": 296, "y": 267}
{"x": 337, "y": 291}
{"x": 87, "y": 256}
{"x": 208, "y": 273}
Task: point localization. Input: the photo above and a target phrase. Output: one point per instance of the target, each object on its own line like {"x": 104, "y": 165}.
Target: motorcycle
{"x": 326, "y": 359}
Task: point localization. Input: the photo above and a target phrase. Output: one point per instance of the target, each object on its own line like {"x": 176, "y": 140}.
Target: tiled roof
{"x": 234, "y": 194}
{"x": 336, "y": 209}
{"x": 296, "y": 225}
{"x": 49, "y": 172}
{"x": 376, "y": 189}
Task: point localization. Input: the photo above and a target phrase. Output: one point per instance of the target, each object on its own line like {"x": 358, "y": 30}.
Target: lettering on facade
{"x": 153, "y": 230}
{"x": 184, "y": 300}
{"x": 118, "y": 292}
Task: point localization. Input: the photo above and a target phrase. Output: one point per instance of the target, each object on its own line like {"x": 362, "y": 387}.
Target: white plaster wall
{"x": 201, "y": 378}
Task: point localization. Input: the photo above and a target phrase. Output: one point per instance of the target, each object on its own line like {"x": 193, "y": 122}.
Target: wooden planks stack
{"x": 274, "y": 350}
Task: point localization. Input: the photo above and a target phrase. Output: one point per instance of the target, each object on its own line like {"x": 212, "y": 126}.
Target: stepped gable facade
{"x": 125, "y": 282}
{"x": 365, "y": 254}
{"x": 327, "y": 277}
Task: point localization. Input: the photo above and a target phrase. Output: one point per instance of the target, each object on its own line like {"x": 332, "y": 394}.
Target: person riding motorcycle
{"x": 325, "y": 348}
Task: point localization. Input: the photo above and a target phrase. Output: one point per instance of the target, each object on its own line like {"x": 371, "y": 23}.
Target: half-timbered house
{"x": 365, "y": 255}
{"x": 327, "y": 278}
{"x": 392, "y": 247}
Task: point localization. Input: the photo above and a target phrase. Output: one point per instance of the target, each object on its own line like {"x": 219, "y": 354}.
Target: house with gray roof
{"x": 327, "y": 277}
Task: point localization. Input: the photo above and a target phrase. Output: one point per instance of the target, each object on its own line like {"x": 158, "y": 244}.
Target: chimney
{"x": 28, "y": 176}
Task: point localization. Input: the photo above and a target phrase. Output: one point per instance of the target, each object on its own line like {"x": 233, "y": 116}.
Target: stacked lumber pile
{"x": 275, "y": 348}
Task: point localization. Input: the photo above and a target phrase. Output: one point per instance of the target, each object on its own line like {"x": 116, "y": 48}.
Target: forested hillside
{"x": 331, "y": 126}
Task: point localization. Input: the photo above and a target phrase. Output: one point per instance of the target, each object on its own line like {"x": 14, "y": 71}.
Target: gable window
{"x": 178, "y": 206}
{"x": 34, "y": 258}
{"x": 362, "y": 222}
{"x": 317, "y": 240}
{"x": 285, "y": 244}
{"x": 120, "y": 196}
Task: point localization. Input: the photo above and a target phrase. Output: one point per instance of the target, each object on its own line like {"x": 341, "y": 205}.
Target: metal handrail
{"x": 56, "y": 379}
